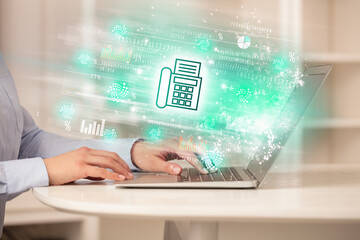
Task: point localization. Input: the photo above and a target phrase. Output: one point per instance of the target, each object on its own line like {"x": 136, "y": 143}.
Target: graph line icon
{"x": 244, "y": 42}
{"x": 181, "y": 88}
{"x": 94, "y": 128}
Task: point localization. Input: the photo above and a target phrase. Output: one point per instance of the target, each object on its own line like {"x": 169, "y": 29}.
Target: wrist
{"x": 133, "y": 151}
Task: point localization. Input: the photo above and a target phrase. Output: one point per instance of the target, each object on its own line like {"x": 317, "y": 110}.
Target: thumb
{"x": 171, "y": 168}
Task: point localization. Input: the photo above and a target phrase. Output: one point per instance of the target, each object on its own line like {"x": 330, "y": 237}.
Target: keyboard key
{"x": 227, "y": 174}
{"x": 206, "y": 177}
{"x": 174, "y": 101}
{"x": 183, "y": 88}
{"x": 189, "y": 96}
{"x": 236, "y": 174}
{"x": 187, "y": 103}
{"x": 190, "y": 89}
{"x": 217, "y": 176}
{"x": 177, "y": 87}
{"x": 181, "y": 102}
{"x": 182, "y": 95}
{"x": 176, "y": 94}
{"x": 185, "y": 175}
{"x": 194, "y": 175}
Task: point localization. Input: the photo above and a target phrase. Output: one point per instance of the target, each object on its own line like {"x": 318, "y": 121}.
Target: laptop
{"x": 254, "y": 173}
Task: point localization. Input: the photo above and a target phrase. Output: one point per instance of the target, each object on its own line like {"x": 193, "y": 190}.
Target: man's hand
{"x": 86, "y": 163}
{"x": 154, "y": 156}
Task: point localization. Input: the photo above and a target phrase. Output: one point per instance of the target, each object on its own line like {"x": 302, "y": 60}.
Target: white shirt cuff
{"x": 23, "y": 174}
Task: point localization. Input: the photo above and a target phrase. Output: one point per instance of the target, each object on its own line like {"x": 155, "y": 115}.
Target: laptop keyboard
{"x": 223, "y": 174}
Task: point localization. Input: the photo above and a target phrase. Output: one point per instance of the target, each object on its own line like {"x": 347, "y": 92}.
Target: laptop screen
{"x": 212, "y": 75}
{"x": 287, "y": 120}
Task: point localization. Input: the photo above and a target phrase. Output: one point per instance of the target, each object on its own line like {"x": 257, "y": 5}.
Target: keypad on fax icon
{"x": 182, "y": 95}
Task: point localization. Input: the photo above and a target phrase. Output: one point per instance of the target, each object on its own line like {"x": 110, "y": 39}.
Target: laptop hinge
{"x": 251, "y": 175}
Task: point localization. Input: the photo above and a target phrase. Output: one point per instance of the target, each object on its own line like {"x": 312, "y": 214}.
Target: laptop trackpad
{"x": 151, "y": 177}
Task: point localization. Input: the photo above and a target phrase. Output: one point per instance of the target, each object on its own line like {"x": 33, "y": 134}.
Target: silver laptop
{"x": 255, "y": 172}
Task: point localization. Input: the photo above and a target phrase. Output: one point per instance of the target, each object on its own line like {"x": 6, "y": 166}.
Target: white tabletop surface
{"x": 315, "y": 192}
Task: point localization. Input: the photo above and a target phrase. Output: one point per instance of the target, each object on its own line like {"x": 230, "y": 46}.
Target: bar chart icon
{"x": 93, "y": 127}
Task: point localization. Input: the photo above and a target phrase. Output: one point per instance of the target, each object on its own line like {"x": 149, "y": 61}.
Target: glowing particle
{"x": 109, "y": 135}
{"x": 118, "y": 91}
{"x": 67, "y": 111}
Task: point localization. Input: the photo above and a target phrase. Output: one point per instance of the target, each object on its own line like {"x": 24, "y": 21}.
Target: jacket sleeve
{"x": 38, "y": 143}
{"x": 29, "y": 170}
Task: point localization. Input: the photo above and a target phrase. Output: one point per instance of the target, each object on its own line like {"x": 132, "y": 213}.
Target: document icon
{"x": 180, "y": 88}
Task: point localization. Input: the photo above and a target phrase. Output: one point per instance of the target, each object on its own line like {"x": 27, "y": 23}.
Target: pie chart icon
{"x": 244, "y": 42}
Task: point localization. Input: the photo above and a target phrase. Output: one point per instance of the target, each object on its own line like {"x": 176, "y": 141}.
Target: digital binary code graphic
{"x": 214, "y": 77}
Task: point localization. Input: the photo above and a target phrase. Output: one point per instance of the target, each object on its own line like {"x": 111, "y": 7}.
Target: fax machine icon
{"x": 181, "y": 88}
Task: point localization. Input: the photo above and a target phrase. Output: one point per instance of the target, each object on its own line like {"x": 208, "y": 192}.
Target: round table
{"x": 332, "y": 190}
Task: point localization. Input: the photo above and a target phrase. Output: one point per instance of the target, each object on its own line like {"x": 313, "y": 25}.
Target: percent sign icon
{"x": 292, "y": 57}
{"x": 67, "y": 126}
{"x": 220, "y": 35}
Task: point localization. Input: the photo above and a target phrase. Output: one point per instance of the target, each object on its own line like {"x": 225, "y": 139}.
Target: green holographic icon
{"x": 212, "y": 160}
{"x": 154, "y": 133}
{"x": 118, "y": 91}
{"x": 109, "y": 135}
{"x": 204, "y": 45}
{"x": 181, "y": 88}
{"x": 84, "y": 59}
{"x": 67, "y": 111}
{"x": 119, "y": 31}
{"x": 244, "y": 95}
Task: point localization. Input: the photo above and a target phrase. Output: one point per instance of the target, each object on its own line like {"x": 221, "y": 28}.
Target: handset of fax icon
{"x": 180, "y": 88}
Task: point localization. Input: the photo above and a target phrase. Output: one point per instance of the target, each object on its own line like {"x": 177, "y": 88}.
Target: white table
{"x": 326, "y": 194}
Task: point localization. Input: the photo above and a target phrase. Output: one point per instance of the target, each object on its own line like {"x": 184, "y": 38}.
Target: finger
{"x": 97, "y": 172}
{"x": 158, "y": 164}
{"x": 189, "y": 156}
{"x": 95, "y": 179}
{"x": 106, "y": 162}
{"x": 113, "y": 155}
